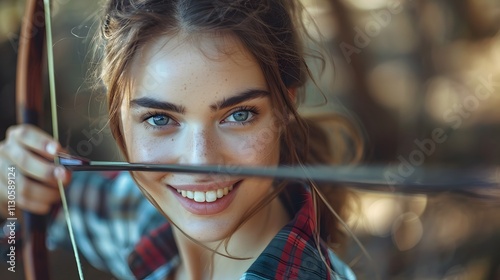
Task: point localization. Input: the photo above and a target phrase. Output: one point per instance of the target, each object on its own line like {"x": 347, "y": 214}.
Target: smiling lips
{"x": 206, "y": 192}
{"x": 208, "y": 196}
{"x": 206, "y": 199}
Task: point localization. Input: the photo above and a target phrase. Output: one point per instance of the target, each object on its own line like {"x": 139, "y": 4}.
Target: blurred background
{"x": 421, "y": 78}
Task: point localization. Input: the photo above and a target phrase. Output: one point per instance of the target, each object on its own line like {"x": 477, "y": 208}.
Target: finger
{"x": 34, "y": 139}
{"x": 32, "y": 196}
{"x": 32, "y": 191}
{"x": 33, "y": 166}
{"x": 34, "y": 207}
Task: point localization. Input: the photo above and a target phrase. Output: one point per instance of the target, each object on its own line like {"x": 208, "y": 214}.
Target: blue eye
{"x": 158, "y": 120}
{"x": 242, "y": 116}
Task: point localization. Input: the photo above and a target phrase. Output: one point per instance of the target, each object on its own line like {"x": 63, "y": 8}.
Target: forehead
{"x": 191, "y": 60}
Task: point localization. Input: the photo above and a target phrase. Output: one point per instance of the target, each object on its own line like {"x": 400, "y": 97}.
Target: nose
{"x": 201, "y": 146}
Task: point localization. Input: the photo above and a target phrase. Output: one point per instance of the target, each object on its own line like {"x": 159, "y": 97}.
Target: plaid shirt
{"x": 118, "y": 230}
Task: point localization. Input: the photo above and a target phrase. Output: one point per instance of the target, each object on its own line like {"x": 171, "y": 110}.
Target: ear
{"x": 292, "y": 93}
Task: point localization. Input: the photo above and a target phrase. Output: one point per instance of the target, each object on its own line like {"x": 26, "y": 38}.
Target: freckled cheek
{"x": 144, "y": 146}
{"x": 144, "y": 149}
{"x": 156, "y": 150}
{"x": 260, "y": 148}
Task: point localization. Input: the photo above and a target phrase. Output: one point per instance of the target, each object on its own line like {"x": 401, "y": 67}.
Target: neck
{"x": 247, "y": 242}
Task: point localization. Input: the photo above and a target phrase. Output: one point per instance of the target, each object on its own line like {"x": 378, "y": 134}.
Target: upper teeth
{"x": 209, "y": 196}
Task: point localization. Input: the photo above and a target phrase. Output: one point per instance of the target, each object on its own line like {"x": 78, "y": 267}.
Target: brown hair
{"x": 269, "y": 30}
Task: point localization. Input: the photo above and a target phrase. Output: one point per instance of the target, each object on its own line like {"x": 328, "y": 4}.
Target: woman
{"x": 212, "y": 82}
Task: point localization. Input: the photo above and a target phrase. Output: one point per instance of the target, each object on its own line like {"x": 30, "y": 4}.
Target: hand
{"x": 31, "y": 151}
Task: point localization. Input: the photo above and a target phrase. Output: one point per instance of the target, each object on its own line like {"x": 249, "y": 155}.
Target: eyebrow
{"x": 241, "y": 97}
{"x": 152, "y": 103}
{"x": 155, "y": 104}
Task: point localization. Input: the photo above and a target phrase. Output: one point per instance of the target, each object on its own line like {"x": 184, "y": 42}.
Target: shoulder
{"x": 110, "y": 216}
{"x": 112, "y": 197}
{"x": 296, "y": 256}
{"x": 294, "y": 253}
{"x": 94, "y": 188}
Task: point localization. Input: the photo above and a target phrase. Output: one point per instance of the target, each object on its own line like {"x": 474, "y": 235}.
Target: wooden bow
{"x": 29, "y": 109}
{"x": 35, "y": 31}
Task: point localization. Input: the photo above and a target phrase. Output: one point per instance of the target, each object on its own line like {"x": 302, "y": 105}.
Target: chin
{"x": 208, "y": 231}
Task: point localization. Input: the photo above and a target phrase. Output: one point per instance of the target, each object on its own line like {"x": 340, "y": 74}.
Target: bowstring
{"x": 55, "y": 131}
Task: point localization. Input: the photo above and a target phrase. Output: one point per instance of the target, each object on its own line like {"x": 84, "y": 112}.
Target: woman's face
{"x": 203, "y": 103}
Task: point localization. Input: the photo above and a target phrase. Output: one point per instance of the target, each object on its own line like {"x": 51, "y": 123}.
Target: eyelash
{"x": 252, "y": 109}
{"x": 151, "y": 114}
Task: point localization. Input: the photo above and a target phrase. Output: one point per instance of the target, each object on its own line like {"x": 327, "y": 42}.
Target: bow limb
{"x": 35, "y": 27}
{"x": 29, "y": 109}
